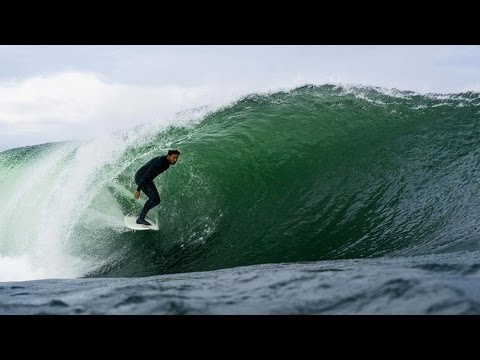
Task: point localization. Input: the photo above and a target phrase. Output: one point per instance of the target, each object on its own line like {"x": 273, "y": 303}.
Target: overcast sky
{"x": 55, "y": 93}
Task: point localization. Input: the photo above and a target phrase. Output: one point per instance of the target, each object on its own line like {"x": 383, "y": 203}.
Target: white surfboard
{"x": 131, "y": 222}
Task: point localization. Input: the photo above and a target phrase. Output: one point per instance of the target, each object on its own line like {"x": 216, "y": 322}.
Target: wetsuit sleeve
{"x": 146, "y": 175}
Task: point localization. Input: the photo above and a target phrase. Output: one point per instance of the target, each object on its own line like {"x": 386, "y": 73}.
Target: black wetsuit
{"x": 144, "y": 180}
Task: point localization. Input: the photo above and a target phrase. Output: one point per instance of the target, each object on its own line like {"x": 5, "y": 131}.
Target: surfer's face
{"x": 172, "y": 158}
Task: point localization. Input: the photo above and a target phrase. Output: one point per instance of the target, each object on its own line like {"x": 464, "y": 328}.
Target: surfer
{"x": 144, "y": 180}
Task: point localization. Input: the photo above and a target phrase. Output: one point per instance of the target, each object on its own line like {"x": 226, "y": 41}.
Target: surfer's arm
{"x": 136, "y": 194}
{"x": 146, "y": 175}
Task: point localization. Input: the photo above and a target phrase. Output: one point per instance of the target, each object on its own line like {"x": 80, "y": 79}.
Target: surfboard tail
{"x": 131, "y": 222}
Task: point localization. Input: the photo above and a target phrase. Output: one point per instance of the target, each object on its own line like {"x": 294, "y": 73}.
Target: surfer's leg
{"x": 153, "y": 199}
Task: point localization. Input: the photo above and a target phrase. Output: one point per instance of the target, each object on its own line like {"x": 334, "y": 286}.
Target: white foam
{"x": 18, "y": 268}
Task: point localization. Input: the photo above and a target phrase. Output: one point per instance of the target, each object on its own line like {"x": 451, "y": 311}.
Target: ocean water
{"x": 317, "y": 200}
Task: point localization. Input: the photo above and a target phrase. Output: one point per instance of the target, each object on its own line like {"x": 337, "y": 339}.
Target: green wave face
{"x": 315, "y": 173}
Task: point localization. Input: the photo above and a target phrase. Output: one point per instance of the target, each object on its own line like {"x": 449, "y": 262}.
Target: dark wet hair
{"x": 171, "y": 152}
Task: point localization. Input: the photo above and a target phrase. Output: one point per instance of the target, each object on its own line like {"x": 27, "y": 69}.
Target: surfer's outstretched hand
{"x": 136, "y": 194}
